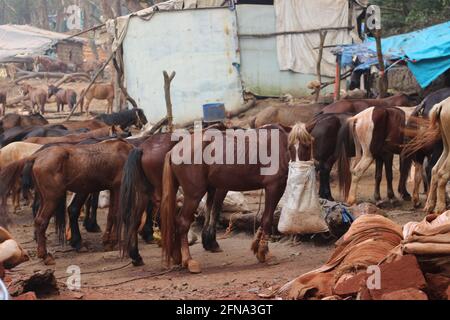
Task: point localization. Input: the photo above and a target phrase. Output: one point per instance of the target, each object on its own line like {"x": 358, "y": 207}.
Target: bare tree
{"x": 42, "y": 14}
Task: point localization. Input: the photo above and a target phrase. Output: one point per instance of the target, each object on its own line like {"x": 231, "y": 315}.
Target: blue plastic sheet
{"x": 426, "y": 51}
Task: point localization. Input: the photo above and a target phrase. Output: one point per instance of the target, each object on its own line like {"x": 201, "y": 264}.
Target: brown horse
{"x": 63, "y": 97}
{"x": 378, "y": 134}
{"x": 73, "y": 138}
{"x": 286, "y": 115}
{"x": 92, "y": 124}
{"x": 15, "y": 120}
{"x": 2, "y": 103}
{"x": 201, "y": 178}
{"x": 99, "y": 91}
{"x": 50, "y": 65}
{"x": 358, "y": 105}
{"x": 59, "y": 169}
{"x": 38, "y": 97}
{"x": 141, "y": 183}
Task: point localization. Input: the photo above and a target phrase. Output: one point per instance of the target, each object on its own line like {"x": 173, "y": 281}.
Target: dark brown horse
{"x": 15, "y": 120}
{"x": 59, "y": 169}
{"x": 38, "y": 97}
{"x": 63, "y": 97}
{"x": 358, "y": 105}
{"x": 50, "y": 65}
{"x": 2, "y": 103}
{"x": 199, "y": 179}
{"x": 75, "y": 138}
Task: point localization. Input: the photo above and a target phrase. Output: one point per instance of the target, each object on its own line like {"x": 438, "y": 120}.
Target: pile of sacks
{"x": 378, "y": 260}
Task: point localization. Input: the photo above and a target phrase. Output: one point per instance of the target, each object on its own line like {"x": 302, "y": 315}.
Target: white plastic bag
{"x": 301, "y": 212}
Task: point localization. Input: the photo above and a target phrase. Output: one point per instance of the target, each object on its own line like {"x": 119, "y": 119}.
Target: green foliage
{"x": 400, "y": 16}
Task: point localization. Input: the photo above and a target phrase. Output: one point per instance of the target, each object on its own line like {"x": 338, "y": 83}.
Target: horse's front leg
{"x": 260, "y": 245}
{"x": 184, "y": 221}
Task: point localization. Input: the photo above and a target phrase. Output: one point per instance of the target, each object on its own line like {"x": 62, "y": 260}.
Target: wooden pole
{"x": 167, "y": 82}
{"x": 323, "y": 36}
{"x": 337, "y": 84}
{"x": 382, "y": 82}
{"x": 89, "y": 86}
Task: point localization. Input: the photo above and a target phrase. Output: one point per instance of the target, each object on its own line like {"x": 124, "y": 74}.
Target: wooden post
{"x": 382, "y": 82}
{"x": 167, "y": 81}
{"x": 323, "y": 35}
{"x": 337, "y": 83}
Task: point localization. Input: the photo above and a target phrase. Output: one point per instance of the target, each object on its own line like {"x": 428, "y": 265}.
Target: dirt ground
{"x": 231, "y": 274}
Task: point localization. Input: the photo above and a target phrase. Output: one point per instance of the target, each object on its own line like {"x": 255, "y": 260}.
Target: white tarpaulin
{"x": 298, "y": 52}
{"x": 25, "y": 40}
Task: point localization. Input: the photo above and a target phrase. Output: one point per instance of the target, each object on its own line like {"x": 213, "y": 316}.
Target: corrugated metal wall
{"x": 260, "y": 71}
{"x": 200, "y": 45}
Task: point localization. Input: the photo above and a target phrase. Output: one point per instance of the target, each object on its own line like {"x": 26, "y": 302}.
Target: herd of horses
{"x": 87, "y": 157}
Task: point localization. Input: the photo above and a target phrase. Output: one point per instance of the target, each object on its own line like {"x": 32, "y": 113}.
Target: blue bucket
{"x": 213, "y": 112}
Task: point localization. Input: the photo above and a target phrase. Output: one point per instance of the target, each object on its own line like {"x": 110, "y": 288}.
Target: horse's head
{"x": 141, "y": 119}
{"x": 52, "y": 90}
{"x": 300, "y": 143}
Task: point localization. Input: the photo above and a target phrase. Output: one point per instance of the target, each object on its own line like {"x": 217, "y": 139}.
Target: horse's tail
{"x": 82, "y": 95}
{"x": 73, "y": 99}
{"x": 252, "y": 123}
{"x": 27, "y": 178}
{"x": 168, "y": 210}
{"x": 8, "y": 178}
{"x": 133, "y": 187}
{"x": 60, "y": 218}
{"x": 427, "y": 137}
{"x": 344, "y": 143}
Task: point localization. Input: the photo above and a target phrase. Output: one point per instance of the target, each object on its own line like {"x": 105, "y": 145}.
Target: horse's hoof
{"x": 217, "y": 249}
{"x": 93, "y": 228}
{"x": 417, "y": 205}
{"x": 108, "y": 247}
{"x": 194, "y": 266}
{"x": 49, "y": 260}
{"x": 138, "y": 262}
{"x": 406, "y": 197}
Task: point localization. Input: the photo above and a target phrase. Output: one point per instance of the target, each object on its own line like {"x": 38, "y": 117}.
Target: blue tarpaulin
{"x": 427, "y": 52}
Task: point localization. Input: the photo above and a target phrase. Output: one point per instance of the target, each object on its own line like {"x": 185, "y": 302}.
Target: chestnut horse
{"x": 99, "y": 91}
{"x": 50, "y": 65}
{"x": 59, "y": 169}
{"x": 2, "y": 103}
{"x": 199, "y": 179}
{"x": 358, "y": 105}
{"x": 38, "y": 97}
{"x": 63, "y": 97}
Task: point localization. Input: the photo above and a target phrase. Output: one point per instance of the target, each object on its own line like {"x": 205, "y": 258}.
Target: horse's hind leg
{"x": 110, "y": 237}
{"x": 90, "y": 221}
{"x": 74, "y": 214}
{"x": 147, "y": 228}
{"x": 431, "y": 199}
{"x": 405, "y": 166}
{"x": 378, "y": 178}
{"x": 46, "y": 211}
{"x": 260, "y": 245}
{"x": 209, "y": 233}
{"x": 183, "y": 222}
{"x": 357, "y": 173}
{"x": 388, "y": 159}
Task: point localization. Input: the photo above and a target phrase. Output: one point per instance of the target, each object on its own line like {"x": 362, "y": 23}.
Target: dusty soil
{"x": 231, "y": 274}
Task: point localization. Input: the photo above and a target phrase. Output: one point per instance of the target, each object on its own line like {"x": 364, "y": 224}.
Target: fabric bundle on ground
{"x": 431, "y": 236}
{"x": 368, "y": 241}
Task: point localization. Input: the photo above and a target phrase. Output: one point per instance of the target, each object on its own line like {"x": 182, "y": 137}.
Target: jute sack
{"x": 301, "y": 212}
